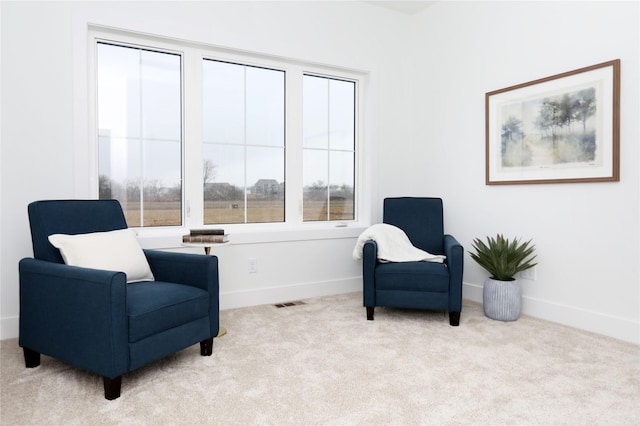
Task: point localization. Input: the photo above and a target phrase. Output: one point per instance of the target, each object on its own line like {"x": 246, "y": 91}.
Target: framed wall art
{"x": 563, "y": 128}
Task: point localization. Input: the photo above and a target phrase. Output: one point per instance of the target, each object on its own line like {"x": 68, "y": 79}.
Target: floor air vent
{"x": 286, "y": 305}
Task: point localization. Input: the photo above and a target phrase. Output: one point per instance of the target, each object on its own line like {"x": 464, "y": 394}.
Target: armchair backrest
{"x": 420, "y": 218}
{"x": 70, "y": 217}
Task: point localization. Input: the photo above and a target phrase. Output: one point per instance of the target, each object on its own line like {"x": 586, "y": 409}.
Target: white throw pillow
{"x": 113, "y": 250}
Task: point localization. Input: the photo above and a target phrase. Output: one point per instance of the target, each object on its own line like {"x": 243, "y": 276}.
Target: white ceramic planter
{"x": 502, "y": 300}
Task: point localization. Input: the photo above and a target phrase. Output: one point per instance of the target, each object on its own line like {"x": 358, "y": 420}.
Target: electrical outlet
{"x": 253, "y": 265}
{"x": 529, "y": 274}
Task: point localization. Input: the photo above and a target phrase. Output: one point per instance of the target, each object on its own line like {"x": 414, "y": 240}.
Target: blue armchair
{"x": 415, "y": 285}
{"x": 93, "y": 318}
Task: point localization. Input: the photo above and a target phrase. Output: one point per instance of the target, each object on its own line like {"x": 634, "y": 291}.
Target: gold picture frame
{"x": 559, "y": 129}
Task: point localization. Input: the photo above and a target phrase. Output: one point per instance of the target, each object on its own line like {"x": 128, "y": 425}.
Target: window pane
{"x": 223, "y": 102}
{"x": 341, "y": 114}
{"x": 329, "y": 149}
{"x": 160, "y": 97}
{"x": 223, "y": 184}
{"x": 341, "y": 189}
{"x": 120, "y": 177}
{"x": 316, "y": 112}
{"x": 243, "y": 143}
{"x": 265, "y": 174}
{"x": 139, "y": 136}
{"x": 162, "y": 184}
{"x": 265, "y": 106}
{"x": 315, "y": 191}
{"x": 118, "y": 89}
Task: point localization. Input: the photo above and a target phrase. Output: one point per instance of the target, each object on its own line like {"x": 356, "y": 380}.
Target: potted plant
{"x": 503, "y": 259}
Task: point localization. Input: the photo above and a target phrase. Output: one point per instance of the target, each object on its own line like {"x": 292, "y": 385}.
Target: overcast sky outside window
{"x": 139, "y": 99}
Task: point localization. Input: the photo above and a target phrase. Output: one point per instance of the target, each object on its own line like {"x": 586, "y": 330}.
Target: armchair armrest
{"x": 196, "y": 270}
{"x": 455, "y": 262}
{"x": 369, "y": 259}
{"x": 75, "y": 314}
{"x": 184, "y": 268}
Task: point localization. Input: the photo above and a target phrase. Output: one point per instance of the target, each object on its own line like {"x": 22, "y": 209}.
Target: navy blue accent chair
{"x": 92, "y": 319}
{"x": 415, "y": 285}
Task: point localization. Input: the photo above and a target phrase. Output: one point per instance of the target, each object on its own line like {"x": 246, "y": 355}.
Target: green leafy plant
{"x": 502, "y": 258}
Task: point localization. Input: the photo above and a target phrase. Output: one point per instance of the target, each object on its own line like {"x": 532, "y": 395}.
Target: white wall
{"x": 587, "y": 234}
{"x": 425, "y": 112}
{"x": 44, "y": 77}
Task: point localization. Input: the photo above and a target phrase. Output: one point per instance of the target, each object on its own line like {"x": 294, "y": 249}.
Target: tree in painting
{"x": 553, "y": 130}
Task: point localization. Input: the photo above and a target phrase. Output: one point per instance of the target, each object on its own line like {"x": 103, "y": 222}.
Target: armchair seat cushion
{"x": 412, "y": 276}
{"x": 155, "y": 306}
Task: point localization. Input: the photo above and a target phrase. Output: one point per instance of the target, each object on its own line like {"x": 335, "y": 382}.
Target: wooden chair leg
{"x": 112, "y": 387}
{"x": 206, "y": 347}
{"x": 370, "y": 312}
{"x": 454, "y": 318}
{"x": 31, "y": 358}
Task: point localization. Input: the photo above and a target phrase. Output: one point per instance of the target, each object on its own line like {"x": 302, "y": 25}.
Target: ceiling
{"x": 408, "y": 7}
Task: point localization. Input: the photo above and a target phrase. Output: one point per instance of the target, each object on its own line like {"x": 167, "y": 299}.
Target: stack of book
{"x": 213, "y": 236}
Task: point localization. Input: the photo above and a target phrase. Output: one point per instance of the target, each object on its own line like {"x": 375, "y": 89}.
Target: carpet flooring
{"x": 322, "y": 363}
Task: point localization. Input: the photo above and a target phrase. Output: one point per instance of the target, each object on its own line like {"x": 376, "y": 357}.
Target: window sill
{"x": 252, "y": 234}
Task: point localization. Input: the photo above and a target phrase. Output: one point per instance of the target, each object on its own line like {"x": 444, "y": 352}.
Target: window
{"x": 329, "y": 148}
{"x": 140, "y": 133}
{"x": 190, "y": 136}
{"x": 243, "y": 143}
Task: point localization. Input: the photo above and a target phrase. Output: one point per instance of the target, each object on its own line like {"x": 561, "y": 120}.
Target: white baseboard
{"x": 241, "y": 299}
{"x": 9, "y": 328}
{"x": 572, "y": 316}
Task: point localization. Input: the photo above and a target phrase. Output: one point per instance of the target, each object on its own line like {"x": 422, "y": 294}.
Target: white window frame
{"x": 193, "y": 53}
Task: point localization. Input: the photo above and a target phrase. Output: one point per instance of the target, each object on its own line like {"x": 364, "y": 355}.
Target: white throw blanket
{"x": 393, "y": 245}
